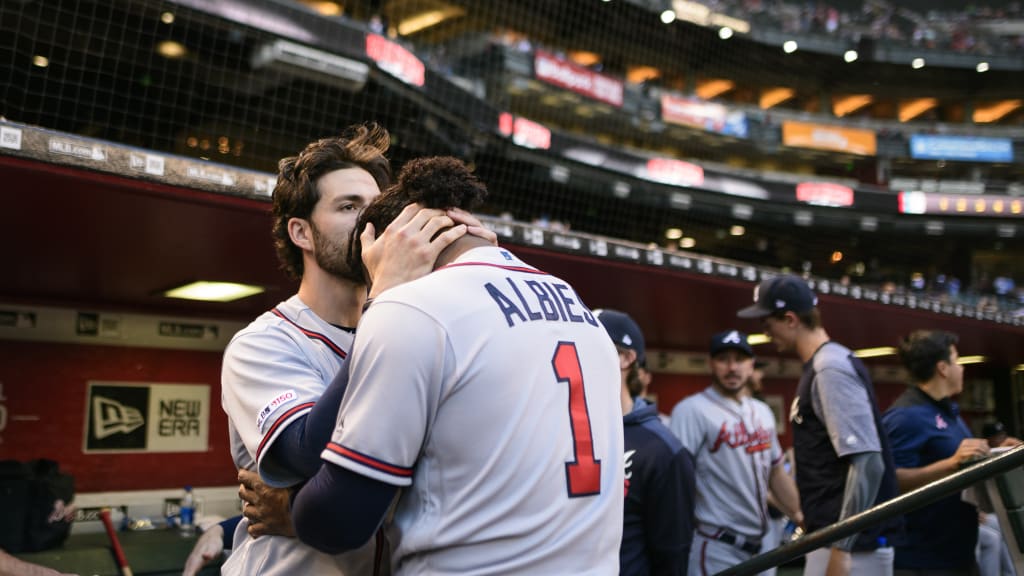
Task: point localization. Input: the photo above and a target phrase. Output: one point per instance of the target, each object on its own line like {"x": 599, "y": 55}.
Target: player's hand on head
{"x": 407, "y": 249}
{"x": 473, "y": 226}
{"x": 209, "y": 546}
{"x": 266, "y": 508}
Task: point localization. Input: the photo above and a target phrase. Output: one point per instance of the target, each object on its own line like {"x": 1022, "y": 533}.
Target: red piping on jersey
{"x": 312, "y": 335}
{"x": 369, "y": 461}
{"x": 512, "y": 268}
{"x": 277, "y": 423}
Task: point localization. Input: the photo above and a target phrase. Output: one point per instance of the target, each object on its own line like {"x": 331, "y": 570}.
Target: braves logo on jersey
{"x": 752, "y": 441}
{"x": 628, "y": 461}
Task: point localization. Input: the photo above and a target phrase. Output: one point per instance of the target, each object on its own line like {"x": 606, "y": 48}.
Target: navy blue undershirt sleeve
{"x": 298, "y": 447}
{"x": 339, "y": 510}
{"x": 229, "y": 526}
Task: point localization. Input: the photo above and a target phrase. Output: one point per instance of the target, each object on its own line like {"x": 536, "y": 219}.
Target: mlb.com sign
{"x": 143, "y": 417}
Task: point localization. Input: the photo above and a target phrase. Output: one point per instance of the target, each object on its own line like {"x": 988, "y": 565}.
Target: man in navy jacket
{"x": 658, "y": 517}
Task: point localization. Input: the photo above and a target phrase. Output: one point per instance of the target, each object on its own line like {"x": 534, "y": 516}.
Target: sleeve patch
{"x": 274, "y": 405}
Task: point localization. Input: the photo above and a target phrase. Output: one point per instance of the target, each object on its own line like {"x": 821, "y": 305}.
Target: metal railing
{"x": 896, "y": 507}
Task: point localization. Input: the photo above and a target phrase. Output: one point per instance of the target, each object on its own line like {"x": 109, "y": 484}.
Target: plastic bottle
{"x": 188, "y": 513}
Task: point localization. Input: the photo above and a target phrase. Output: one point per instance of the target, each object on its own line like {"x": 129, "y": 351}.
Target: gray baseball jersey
{"x": 274, "y": 371}
{"x": 491, "y": 390}
{"x": 734, "y": 445}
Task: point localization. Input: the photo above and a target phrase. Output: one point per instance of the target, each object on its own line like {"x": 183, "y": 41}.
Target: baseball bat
{"x": 122, "y": 562}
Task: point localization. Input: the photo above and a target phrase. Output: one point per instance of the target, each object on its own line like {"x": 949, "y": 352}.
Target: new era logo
{"x": 111, "y": 417}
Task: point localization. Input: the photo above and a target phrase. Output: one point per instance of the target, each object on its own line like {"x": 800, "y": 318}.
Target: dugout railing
{"x": 999, "y": 481}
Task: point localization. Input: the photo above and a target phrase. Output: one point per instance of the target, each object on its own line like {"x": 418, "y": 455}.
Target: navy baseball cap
{"x": 730, "y": 340}
{"x": 780, "y": 294}
{"x": 624, "y": 332}
{"x": 992, "y": 428}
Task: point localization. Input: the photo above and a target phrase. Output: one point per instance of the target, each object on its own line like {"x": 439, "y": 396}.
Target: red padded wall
{"x": 49, "y": 381}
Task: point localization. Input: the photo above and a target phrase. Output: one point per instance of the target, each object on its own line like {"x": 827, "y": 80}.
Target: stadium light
{"x": 964, "y": 360}
{"x": 673, "y": 233}
{"x": 688, "y": 242}
{"x": 875, "y": 352}
{"x": 789, "y": 46}
{"x": 758, "y": 339}
{"x": 40, "y": 61}
{"x": 725, "y": 32}
{"x": 982, "y": 67}
{"x": 668, "y": 16}
{"x": 214, "y": 291}
{"x": 850, "y": 56}
{"x": 917, "y": 63}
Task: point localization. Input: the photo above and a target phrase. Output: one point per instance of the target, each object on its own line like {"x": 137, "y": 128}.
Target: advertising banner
{"x": 969, "y": 148}
{"x": 142, "y": 417}
{"x": 394, "y": 59}
{"x": 824, "y": 137}
{"x": 705, "y": 115}
{"x": 570, "y": 76}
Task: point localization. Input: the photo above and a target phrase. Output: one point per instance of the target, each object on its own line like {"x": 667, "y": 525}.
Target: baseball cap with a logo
{"x": 623, "y": 331}
{"x": 730, "y": 340}
{"x": 780, "y": 294}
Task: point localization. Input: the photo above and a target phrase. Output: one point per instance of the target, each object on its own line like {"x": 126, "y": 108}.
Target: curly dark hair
{"x": 296, "y": 193}
{"x": 438, "y": 182}
{"x": 922, "y": 350}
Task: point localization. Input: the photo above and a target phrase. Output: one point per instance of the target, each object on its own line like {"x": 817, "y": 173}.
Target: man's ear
{"x": 626, "y": 358}
{"x": 301, "y": 233}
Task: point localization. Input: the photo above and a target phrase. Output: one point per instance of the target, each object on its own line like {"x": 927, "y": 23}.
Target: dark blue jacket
{"x": 658, "y": 521}
{"x": 922, "y": 430}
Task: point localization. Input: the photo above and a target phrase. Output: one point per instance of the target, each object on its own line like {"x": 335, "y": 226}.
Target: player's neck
{"x": 458, "y": 248}
{"x": 734, "y": 395}
{"x": 335, "y": 300}
{"x": 626, "y": 399}
{"x": 809, "y": 342}
{"x": 936, "y": 389}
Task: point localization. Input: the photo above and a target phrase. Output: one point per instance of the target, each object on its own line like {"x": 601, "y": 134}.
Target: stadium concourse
{"x": 661, "y": 157}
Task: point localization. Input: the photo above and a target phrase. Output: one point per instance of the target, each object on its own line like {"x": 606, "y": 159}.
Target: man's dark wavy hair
{"x": 296, "y": 194}
{"x": 439, "y": 182}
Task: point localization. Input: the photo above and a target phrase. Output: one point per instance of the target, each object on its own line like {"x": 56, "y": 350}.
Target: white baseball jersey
{"x": 491, "y": 389}
{"x": 274, "y": 370}
{"x": 734, "y": 446}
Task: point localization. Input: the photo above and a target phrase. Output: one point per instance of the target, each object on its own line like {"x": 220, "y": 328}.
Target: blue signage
{"x": 969, "y": 148}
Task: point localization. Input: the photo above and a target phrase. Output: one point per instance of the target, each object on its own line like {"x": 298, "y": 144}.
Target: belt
{"x": 748, "y": 545}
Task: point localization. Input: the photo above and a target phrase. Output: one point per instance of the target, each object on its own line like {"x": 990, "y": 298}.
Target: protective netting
{"x": 595, "y": 116}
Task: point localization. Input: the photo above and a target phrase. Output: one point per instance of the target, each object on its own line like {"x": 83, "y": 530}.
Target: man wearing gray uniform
{"x": 843, "y": 464}
{"x": 738, "y": 460}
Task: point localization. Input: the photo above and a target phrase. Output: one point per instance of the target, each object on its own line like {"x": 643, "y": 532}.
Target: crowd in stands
{"x": 963, "y": 31}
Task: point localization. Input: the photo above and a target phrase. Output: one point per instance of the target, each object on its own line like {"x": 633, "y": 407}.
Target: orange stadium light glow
{"x": 910, "y": 109}
{"x": 849, "y": 104}
{"x": 996, "y": 111}
{"x": 708, "y": 89}
{"x": 772, "y": 97}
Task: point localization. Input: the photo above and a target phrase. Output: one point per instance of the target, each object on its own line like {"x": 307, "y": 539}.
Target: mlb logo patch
{"x": 940, "y": 423}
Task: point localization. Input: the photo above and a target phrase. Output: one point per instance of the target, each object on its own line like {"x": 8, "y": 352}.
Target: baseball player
{"x": 276, "y": 369}
{"x": 488, "y": 390}
{"x": 844, "y": 463}
{"x": 738, "y": 460}
{"x": 658, "y": 520}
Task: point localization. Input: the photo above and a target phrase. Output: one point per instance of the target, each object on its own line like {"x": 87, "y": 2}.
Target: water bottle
{"x": 188, "y": 513}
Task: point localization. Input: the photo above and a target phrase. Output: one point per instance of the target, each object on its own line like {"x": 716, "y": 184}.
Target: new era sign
{"x": 140, "y": 417}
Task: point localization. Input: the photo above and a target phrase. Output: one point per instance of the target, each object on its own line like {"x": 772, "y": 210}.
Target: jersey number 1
{"x": 583, "y": 474}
